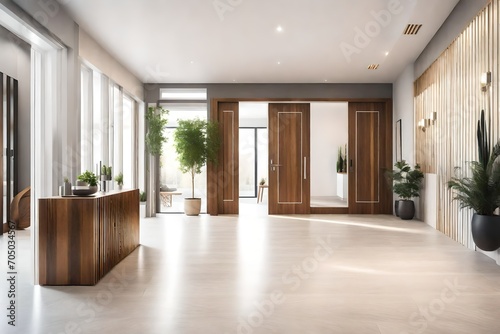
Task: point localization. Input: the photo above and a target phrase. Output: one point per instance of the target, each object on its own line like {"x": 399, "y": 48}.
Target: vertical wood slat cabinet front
{"x": 82, "y": 238}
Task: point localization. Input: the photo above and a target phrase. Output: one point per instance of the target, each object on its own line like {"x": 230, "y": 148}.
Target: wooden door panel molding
{"x": 370, "y": 144}
{"x": 290, "y": 185}
{"x": 228, "y": 166}
{"x": 367, "y": 150}
{"x": 289, "y": 154}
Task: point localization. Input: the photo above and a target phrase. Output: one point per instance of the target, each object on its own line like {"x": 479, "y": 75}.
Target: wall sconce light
{"x": 485, "y": 81}
{"x": 424, "y": 123}
{"x": 421, "y": 125}
{"x": 433, "y": 117}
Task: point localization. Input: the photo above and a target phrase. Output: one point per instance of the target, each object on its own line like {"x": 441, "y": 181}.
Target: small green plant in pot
{"x": 86, "y": 184}
{"x": 406, "y": 184}
{"x": 89, "y": 178}
{"x": 196, "y": 142}
{"x": 119, "y": 180}
{"x": 481, "y": 191}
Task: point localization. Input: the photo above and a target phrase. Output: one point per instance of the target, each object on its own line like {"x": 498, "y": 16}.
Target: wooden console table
{"x": 82, "y": 238}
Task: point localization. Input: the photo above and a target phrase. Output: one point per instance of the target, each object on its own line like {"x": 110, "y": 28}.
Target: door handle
{"x": 274, "y": 165}
{"x": 305, "y": 168}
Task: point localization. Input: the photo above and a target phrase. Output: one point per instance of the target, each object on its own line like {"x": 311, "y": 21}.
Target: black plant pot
{"x": 486, "y": 232}
{"x": 406, "y": 209}
{"x": 396, "y": 207}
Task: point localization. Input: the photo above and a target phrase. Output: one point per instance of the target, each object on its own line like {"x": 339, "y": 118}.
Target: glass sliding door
{"x": 175, "y": 185}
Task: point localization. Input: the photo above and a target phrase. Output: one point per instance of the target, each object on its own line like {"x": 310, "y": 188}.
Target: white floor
{"x": 278, "y": 274}
{"x": 328, "y": 202}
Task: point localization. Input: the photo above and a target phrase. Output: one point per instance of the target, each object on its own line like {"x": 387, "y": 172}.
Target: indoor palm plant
{"x": 481, "y": 191}
{"x": 196, "y": 142}
{"x": 406, "y": 184}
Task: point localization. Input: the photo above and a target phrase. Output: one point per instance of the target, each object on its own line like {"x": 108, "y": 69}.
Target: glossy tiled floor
{"x": 301, "y": 274}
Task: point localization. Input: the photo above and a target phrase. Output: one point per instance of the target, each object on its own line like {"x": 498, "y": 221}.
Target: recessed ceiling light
{"x": 326, "y": 80}
{"x": 279, "y": 29}
{"x": 278, "y": 62}
{"x": 192, "y": 62}
{"x": 387, "y": 53}
{"x": 373, "y": 66}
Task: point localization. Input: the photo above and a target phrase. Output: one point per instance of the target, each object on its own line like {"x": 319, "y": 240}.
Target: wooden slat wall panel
{"x": 451, "y": 87}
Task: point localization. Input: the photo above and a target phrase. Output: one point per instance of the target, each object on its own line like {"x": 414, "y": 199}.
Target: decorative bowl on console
{"x": 84, "y": 190}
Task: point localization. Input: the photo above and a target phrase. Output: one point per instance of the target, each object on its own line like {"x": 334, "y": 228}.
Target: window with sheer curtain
{"x": 108, "y": 126}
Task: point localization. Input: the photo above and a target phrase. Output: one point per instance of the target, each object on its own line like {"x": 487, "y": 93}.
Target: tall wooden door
{"x": 289, "y": 158}
{"x": 370, "y": 155}
{"x": 228, "y": 166}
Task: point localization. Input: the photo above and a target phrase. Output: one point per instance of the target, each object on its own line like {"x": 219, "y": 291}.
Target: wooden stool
{"x": 260, "y": 194}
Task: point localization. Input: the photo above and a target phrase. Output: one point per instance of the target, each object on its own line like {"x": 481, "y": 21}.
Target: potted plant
{"x": 119, "y": 180}
{"x": 142, "y": 196}
{"x": 481, "y": 191}
{"x": 106, "y": 173}
{"x": 196, "y": 142}
{"x": 406, "y": 184}
{"x": 340, "y": 161}
{"x": 67, "y": 187}
{"x": 86, "y": 184}
{"x": 155, "y": 137}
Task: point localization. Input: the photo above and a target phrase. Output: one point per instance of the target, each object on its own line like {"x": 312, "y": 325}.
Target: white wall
{"x": 403, "y": 109}
{"x": 426, "y": 209}
{"x": 329, "y": 130}
{"x": 95, "y": 54}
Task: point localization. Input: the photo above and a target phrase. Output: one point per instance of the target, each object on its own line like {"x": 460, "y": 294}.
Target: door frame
{"x": 213, "y": 181}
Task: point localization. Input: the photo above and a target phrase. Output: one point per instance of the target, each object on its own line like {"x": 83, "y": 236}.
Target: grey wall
{"x": 457, "y": 21}
{"x": 280, "y": 91}
{"x": 15, "y": 62}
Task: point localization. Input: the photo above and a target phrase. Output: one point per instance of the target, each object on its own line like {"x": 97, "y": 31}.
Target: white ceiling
{"x": 190, "y": 41}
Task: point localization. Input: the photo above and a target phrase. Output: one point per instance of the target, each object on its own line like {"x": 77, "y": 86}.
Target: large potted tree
{"x": 196, "y": 142}
{"x": 481, "y": 191}
{"x": 406, "y": 184}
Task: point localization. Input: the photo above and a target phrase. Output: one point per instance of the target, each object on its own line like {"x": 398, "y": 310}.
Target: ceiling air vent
{"x": 412, "y": 29}
{"x": 373, "y": 66}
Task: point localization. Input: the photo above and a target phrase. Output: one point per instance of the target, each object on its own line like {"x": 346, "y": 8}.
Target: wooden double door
{"x": 289, "y": 130}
